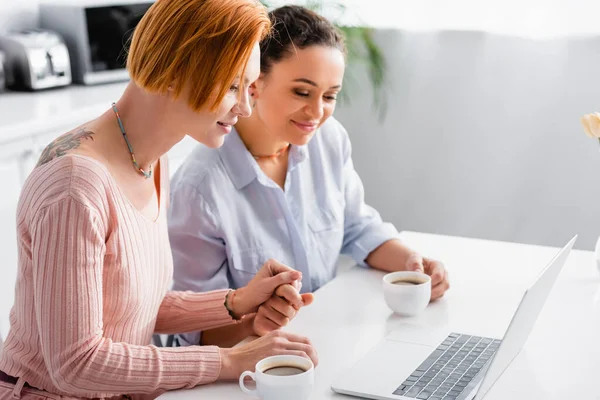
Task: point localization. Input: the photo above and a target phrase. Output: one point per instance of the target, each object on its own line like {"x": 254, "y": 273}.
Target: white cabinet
{"x": 17, "y": 160}
{"x": 12, "y": 170}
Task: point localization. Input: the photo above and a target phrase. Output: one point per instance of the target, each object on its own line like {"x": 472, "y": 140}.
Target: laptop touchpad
{"x": 418, "y": 335}
{"x": 383, "y": 368}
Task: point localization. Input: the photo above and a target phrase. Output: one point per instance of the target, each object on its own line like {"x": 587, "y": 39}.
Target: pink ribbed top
{"x": 92, "y": 288}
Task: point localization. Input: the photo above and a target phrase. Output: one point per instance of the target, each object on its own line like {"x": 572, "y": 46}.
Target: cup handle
{"x": 243, "y": 387}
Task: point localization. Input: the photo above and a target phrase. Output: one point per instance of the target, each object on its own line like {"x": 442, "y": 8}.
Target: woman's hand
{"x": 393, "y": 256}
{"x": 435, "y": 269}
{"x": 236, "y": 360}
{"x": 277, "y": 312}
{"x": 272, "y": 275}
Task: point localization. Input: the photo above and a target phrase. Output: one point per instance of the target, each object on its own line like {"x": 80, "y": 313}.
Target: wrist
{"x": 228, "y": 371}
{"x": 248, "y": 326}
{"x": 229, "y": 304}
{"x": 237, "y": 303}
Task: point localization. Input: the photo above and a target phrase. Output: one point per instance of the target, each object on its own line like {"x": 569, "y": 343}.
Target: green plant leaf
{"x": 363, "y": 49}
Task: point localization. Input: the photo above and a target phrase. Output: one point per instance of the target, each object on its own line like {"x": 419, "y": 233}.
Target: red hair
{"x": 205, "y": 44}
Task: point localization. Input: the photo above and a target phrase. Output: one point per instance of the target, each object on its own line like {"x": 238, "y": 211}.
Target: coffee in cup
{"x": 284, "y": 371}
{"x": 407, "y": 282}
{"x": 407, "y": 293}
{"x": 281, "y": 377}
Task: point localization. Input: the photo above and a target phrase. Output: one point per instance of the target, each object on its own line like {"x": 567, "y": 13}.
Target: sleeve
{"x": 67, "y": 263}
{"x": 199, "y": 256}
{"x": 364, "y": 230}
{"x": 189, "y": 312}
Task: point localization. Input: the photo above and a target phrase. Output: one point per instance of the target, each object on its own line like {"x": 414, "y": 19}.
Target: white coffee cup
{"x": 407, "y": 293}
{"x": 274, "y": 382}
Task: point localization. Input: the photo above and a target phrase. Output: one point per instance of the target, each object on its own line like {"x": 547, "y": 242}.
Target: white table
{"x": 561, "y": 359}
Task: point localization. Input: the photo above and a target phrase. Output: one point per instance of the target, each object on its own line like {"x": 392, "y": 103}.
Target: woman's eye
{"x": 234, "y": 88}
{"x": 331, "y": 98}
{"x": 301, "y": 94}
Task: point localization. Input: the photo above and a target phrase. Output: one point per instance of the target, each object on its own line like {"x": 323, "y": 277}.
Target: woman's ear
{"x": 253, "y": 90}
{"x": 257, "y": 87}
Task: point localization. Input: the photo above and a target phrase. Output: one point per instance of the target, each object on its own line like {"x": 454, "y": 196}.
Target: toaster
{"x": 97, "y": 34}
{"x": 35, "y": 59}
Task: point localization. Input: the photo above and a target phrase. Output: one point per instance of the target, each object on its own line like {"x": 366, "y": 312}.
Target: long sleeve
{"x": 364, "y": 230}
{"x": 68, "y": 251}
{"x": 188, "y": 312}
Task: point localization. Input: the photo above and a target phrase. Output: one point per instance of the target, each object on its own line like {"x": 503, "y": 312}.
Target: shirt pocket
{"x": 327, "y": 213}
{"x": 327, "y": 235}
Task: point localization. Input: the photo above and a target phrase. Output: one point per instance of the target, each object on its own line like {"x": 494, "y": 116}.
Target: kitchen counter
{"x": 28, "y": 114}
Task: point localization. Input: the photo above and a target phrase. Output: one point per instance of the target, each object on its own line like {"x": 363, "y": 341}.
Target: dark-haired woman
{"x": 282, "y": 186}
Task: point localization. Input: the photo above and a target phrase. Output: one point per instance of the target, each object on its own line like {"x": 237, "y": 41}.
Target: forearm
{"x": 101, "y": 367}
{"x": 182, "y": 312}
{"x": 390, "y": 256}
{"x": 228, "y": 336}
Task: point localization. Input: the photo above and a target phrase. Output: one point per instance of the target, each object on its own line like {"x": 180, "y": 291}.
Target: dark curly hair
{"x": 296, "y": 27}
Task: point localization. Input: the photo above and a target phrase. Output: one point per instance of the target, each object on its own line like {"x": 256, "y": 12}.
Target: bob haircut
{"x": 205, "y": 44}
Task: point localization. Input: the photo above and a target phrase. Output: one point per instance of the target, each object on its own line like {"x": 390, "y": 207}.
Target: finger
{"x": 415, "y": 263}
{"x": 273, "y": 315}
{"x": 437, "y": 273}
{"x": 288, "y": 290}
{"x": 293, "y": 337}
{"x": 263, "y": 326}
{"x": 294, "y": 353}
{"x": 289, "y": 293}
{"x": 281, "y": 289}
{"x": 439, "y": 290}
{"x": 307, "y": 298}
{"x": 304, "y": 348}
{"x": 296, "y": 285}
{"x": 283, "y": 279}
{"x": 282, "y": 306}
{"x": 275, "y": 267}
{"x": 312, "y": 357}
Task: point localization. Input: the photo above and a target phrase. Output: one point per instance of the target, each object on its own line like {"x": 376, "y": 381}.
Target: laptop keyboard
{"x": 449, "y": 368}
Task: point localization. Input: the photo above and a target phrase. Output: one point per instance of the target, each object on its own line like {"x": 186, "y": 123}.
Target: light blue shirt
{"x": 227, "y": 217}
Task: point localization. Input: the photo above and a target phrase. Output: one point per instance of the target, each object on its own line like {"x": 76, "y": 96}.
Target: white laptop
{"x": 445, "y": 365}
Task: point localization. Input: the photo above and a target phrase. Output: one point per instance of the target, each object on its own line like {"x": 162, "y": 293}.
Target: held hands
{"x": 435, "y": 269}
{"x": 278, "y": 311}
{"x": 273, "y": 274}
{"x": 273, "y": 295}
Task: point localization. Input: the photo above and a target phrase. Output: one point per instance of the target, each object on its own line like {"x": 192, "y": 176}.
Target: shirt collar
{"x": 237, "y": 160}
{"x": 298, "y": 154}
{"x": 241, "y": 166}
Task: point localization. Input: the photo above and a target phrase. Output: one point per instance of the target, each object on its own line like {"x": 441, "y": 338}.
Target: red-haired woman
{"x": 94, "y": 258}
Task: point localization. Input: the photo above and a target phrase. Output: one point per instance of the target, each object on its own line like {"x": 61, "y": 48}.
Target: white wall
{"x": 531, "y": 18}
{"x": 482, "y": 136}
{"x": 16, "y": 14}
